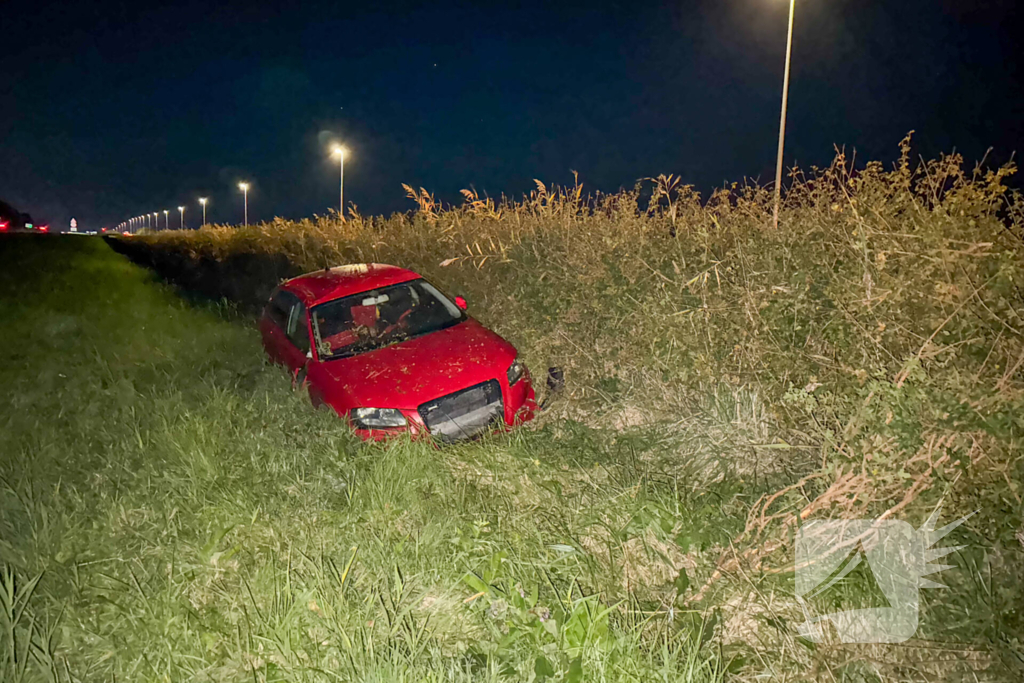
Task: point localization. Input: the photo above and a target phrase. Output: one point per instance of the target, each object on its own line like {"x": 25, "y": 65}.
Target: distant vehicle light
{"x": 44, "y": 228}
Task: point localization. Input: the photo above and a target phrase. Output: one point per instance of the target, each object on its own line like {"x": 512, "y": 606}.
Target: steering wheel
{"x": 401, "y": 319}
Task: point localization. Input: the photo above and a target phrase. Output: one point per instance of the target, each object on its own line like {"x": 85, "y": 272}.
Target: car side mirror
{"x": 461, "y": 302}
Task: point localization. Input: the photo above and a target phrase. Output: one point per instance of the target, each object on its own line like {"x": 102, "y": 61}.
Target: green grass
{"x": 171, "y": 510}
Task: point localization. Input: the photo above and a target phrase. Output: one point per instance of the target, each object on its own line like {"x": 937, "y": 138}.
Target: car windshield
{"x": 370, "y": 320}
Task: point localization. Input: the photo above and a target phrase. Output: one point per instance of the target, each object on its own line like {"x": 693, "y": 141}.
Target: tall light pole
{"x": 202, "y": 200}
{"x": 156, "y": 220}
{"x": 181, "y": 211}
{"x": 782, "y": 119}
{"x": 167, "y": 225}
{"x": 340, "y": 152}
{"x": 244, "y": 187}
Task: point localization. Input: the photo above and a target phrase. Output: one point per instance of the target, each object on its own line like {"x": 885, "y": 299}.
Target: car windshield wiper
{"x": 355, "y": 350}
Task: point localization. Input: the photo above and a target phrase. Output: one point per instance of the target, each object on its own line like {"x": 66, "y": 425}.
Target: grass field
{"x": 170, "y": 509}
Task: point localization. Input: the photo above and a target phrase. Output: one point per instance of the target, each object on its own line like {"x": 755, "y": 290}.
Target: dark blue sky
{"x": 110, "y": 109}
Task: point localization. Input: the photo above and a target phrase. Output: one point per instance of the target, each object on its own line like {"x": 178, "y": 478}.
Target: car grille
{"x": 464, "y": 414}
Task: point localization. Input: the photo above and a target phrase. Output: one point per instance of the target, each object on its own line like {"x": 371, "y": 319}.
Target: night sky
{"x": 111, "y": 109}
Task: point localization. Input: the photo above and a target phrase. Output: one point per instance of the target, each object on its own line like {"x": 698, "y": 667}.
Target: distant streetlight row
{"x": 152, "y": 220}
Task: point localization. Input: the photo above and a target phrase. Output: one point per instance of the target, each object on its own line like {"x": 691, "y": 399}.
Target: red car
{"x": 391, "y": 354}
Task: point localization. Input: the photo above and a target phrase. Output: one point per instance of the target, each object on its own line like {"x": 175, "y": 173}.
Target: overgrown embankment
{"x": 864, "y": 359}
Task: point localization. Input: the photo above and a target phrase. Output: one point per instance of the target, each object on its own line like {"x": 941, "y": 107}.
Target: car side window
{"x": 280, "y": 307}
{"x": 289, "y": 313}
{"x": 298, "y": 330}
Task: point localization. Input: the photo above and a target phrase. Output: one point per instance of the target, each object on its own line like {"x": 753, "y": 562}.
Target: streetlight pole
{"x": 339, "y": 152}
{"x": 782, "y": 118}
{"x": 202, "y": 200}
{"x": 181, "y": 210}
{"x": 167, "y": 225}
{"x": 244, "y": 187}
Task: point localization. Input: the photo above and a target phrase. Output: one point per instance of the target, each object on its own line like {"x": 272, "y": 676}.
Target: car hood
{"x": 412, "y": 372}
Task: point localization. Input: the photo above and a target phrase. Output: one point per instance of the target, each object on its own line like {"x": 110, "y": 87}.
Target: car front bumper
{"x": 518, "y": 405}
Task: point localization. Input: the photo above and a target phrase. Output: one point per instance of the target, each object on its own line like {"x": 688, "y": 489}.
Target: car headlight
{"x": 377, "y": 418}
{"x": 515, "y": 372}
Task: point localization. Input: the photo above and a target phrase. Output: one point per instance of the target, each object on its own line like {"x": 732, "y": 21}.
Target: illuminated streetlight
{"x": 167, "y": 225}
{"x": 340, "y": 152}
{"x": 202, "y": 200}
{"x": 244, "y": 187}
{"x": 782, "y": 118}
{"x": 181, "y": 210}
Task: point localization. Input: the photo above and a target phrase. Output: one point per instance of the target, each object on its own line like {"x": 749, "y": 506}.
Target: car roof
{"x": 333, "y": 283}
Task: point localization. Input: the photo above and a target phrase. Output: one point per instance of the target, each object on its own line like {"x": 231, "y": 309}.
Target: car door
{"x": 285, "y": 330}
{"x": 272, "y": 324}
{"x": 296, "y": 351}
